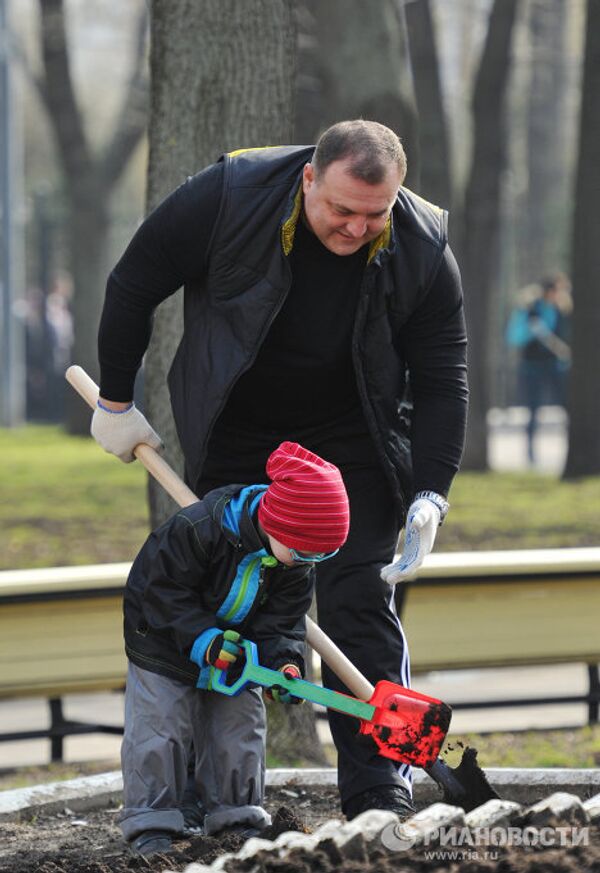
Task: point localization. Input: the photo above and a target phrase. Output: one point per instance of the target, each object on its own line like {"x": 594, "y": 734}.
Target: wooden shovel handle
{"x": 152, "y": 461}
{"x": 352, "y": 678}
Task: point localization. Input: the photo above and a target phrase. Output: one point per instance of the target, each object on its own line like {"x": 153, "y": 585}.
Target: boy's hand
{"x": 224, "y": 650}
{"x": 282, "y": 695}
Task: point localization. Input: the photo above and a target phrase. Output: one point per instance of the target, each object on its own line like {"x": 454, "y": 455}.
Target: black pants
{"x": 355, "y": 607}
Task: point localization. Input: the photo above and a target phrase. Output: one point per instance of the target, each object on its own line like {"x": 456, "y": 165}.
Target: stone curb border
{"x": 495, "y": 823}
{"x": 104, "y": 789}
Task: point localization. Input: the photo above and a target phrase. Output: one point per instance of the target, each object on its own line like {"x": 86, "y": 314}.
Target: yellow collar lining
{"x": 288, "y": 230}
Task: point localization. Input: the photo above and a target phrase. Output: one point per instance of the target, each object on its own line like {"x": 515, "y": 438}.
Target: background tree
{"x": 222, "y": 77}
{"x": 584, "y": 398}
{"x": 349, "y": 80}
{"x": 542, "y": 207}
{"x": 432, "y": 126}
{"x": 477, "y": 234}
{"x": 90, "y": 178}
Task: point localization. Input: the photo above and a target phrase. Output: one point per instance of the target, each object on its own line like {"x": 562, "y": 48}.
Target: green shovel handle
{"x": 253, "y": 673}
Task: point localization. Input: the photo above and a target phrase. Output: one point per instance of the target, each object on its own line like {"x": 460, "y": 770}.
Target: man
{"x": 317, "y": 290}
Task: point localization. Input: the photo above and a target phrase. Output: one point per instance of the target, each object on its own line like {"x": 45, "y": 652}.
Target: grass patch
{"x": 65, "y": 501}
{"x": 42, "y": 774}
{"x": 573, "y": 748}
{"x": 564, "y": 747}
{"x": 520, "y": 511}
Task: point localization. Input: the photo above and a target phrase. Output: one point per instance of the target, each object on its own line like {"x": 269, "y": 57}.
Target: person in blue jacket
{"x": 540, "y": 328}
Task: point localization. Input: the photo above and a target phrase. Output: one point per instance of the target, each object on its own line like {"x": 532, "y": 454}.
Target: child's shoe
{"x": 152, "y": 843}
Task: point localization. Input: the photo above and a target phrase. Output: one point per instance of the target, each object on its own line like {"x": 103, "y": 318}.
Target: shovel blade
{"x": 407, "y": 726}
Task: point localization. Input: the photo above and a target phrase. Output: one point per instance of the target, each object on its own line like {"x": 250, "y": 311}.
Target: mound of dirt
{"x": 70, "y": 842}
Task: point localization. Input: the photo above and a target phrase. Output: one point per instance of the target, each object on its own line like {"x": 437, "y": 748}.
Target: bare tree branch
{"x": 478, "y": 238}
{"x": 18, "y": 52}
{"x": 133, "y": 116}
{"x": 584, "y": 398}
{"x": 433, "y": 127}
{"x": 58, "y": 94}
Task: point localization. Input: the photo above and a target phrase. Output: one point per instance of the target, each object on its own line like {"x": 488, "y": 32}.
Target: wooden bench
{"x": 61, "y": 633}
{"x": 504, "y": 609}
{"x": 61, "y": 628}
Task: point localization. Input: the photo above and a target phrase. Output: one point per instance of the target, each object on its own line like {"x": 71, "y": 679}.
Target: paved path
{"x": 461, "y": 685}
{"x": 507, "y": 442}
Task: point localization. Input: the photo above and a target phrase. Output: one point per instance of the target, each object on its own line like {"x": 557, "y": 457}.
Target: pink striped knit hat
{"x": 306, "y": 506}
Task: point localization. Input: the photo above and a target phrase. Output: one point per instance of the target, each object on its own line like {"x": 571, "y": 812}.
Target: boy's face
{"x": 285, "y": 555}
{"x": 281, "y": 552}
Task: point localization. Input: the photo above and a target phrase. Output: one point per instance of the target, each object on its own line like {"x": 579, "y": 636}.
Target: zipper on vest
{"x": 241, "y": 595}
{"x": 266, "y": 328}
{"x": 359, "y": 321}
{"x": 260, "y": 593}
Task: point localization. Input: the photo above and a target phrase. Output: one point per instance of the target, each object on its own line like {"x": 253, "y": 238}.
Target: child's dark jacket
{"x": 207, "y": 568}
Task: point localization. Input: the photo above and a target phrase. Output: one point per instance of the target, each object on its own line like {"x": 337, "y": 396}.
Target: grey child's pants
{"x": 163, "y": 719}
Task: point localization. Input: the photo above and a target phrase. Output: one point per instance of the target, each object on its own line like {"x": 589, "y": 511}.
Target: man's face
{"x": 345, "y": 213}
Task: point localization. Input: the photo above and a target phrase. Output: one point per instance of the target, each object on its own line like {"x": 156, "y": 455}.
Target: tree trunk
{"x": 477, "y": 245}
{"x": 222, "y": 77}
{"x": 373, "y": 84}
{"x": 584, "y": 398}
{"x": 432, "y": 126}
{"x": 89, "y": 226}
{"x": 89, "y": 182}
{"x": 546, "y": 158}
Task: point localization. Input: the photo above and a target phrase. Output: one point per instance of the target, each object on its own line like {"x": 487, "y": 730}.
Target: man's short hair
{"x": 371, "y": 147}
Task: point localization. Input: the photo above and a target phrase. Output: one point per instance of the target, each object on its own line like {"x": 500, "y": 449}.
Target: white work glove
{"x": 120, "y": 432}
{"x": 422, "y": 521}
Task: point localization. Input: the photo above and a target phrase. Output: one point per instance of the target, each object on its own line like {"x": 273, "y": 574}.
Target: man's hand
{"x": 422, "y": 522}
{"x": 120, "y": 431}
{"x": 280, "y": 694}
{"x": 224, "y": 650}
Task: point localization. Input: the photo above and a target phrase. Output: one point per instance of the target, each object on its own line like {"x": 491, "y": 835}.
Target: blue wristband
{"x": 114, "y": 411}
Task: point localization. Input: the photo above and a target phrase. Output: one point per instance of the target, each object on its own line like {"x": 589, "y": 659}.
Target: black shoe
{"x": 193, "y": 817}
{"x": 152, "y": 843}
{"x": 393, "y": 797}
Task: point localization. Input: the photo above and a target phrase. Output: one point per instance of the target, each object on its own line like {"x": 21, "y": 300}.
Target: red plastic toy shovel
{"x": 405, "y": 726}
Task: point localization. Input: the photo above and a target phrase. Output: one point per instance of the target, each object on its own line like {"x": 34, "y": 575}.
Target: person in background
{"x": 539, "y": 328}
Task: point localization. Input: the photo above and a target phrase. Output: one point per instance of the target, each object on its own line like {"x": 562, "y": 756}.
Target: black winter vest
{"x": 227, "y": 317}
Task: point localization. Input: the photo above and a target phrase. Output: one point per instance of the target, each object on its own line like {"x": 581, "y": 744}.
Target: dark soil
{"x": 92, "y": 843}
{"x": 465, "y": 785}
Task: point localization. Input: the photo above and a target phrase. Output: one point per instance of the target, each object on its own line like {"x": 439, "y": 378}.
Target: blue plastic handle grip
{"x": 254, "y": 674}
{"x": 218, "y": 678}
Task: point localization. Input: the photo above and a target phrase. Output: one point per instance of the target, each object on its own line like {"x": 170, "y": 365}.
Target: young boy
{"x": 237, "y": 564}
